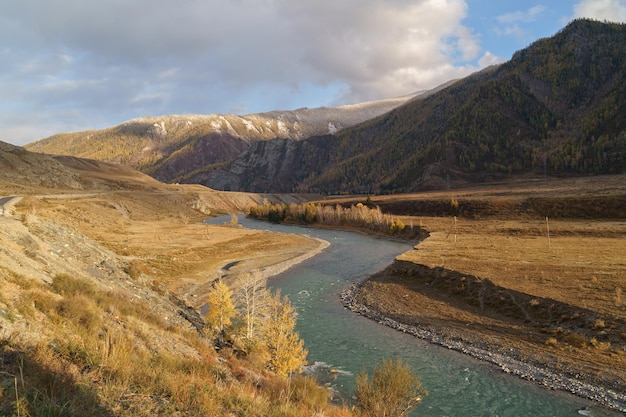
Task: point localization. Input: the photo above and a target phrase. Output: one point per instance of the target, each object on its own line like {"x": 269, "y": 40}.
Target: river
{"x": 347, "y": 343}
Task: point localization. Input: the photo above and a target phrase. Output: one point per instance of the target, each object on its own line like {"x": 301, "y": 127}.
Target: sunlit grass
{"x": 101, "y": 360}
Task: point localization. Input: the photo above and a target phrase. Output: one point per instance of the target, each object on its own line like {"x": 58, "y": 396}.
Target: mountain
{"x": 171, "y": 148}
{"x": 556, "y": 108}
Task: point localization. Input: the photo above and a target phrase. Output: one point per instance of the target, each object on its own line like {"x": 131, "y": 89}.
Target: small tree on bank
{"x": 221, "y": 307}
{"x": 253, "y": 302}
{"x": 284, "y": 346}
{"x": 264, "y": 323}
{"x": 393, "y": 390}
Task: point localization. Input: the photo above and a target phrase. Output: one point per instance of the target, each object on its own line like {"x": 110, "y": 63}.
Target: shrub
{"x": 135, "y": 268}
{"x": 42, "y": 301}
{"x": 80, "y": 310}
{"x": 551, "y": 341}
{"x": 393, "y": 391}
{"x": 68, "y": 286}
{"x": 599, "y": 324}
{"x": 575, "y": 339}
{"x": 299, "y": 389}
{"x": 396, "y": 226}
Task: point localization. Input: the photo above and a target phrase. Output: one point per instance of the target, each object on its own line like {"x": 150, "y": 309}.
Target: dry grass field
{"x": 499, "y": 275}
{"x": 173, "y": 246}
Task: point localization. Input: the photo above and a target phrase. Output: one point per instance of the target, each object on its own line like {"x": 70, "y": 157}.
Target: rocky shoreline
{"x": 507, "y": 364}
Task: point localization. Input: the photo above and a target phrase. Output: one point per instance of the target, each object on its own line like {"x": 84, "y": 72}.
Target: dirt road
{"x": 6, "y": 203}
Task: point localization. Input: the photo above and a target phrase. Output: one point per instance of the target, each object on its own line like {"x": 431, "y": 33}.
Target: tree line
{"x": 360, "y": 216}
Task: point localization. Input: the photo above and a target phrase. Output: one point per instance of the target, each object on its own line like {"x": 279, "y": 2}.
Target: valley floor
{"x": 531, "y": 268}
{"x": 502, "y": 281}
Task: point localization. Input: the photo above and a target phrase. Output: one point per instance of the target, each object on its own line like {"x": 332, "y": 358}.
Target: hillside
{"x": 103, "y": 271}
{"x": 556, "y": 108}
{"x": 170, "y": 148}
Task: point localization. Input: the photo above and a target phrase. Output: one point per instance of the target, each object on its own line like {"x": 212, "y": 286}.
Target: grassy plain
{"x": 162, "y": 236}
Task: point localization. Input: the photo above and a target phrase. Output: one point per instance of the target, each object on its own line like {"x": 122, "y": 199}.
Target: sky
{"x": 73, "y": 65}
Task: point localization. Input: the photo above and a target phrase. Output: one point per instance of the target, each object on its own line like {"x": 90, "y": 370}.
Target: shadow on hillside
{"x": 32, "y": 386}
{"x": 558, "y": 207}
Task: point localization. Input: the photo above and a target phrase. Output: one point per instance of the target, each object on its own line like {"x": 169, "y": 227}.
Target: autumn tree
{"x": 221, "y": 307}
{"x": 393, "y": 390}
{"x": 253, "y": 304}
{"x": 284, "y": 346}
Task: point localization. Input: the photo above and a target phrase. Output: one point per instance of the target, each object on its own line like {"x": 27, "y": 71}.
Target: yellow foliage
{"x": 221, "y": 307}
{"x": 285, "y": 348}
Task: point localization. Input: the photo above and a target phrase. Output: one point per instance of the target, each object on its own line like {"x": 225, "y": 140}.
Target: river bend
{"x": 346, "y": 343}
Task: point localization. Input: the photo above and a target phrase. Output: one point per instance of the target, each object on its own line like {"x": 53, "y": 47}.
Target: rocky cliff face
{"x": 278, "y": 165}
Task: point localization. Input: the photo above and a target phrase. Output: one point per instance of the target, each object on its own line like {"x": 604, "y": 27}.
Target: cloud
{"x": 522, "y": 16}
{"x": 513, "y": 23}
{"x": 489, "y": 59}
{"x": 111, "y": 60}
{"x": 611, "y": 10}
{"x": 388, "y": 48}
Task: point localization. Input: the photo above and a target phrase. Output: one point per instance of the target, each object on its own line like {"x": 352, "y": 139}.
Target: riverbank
{"x": 268, "y": 266}
{"x": 509, "y": 360}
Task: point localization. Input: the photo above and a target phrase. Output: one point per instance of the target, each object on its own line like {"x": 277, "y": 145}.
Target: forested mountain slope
{"x": 556, "y": 108}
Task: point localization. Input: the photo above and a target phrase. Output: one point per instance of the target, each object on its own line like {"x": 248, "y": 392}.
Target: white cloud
{"x": 522, "y": 16}
{"x": 514, "y": 23}
{"x": 112, "y": 60}
{"x": 489, "y": 59}
{"x": 387, "y": 48}
{"x": 611, "y": 10}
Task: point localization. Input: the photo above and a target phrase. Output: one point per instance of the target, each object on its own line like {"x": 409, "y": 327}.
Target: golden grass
{"x": 100, "y": 367}
{"x": 582, "y": 263}
{"x": 516, "y": 293}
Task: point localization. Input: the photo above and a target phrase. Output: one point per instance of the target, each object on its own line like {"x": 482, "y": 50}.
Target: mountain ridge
{"x": 556, "y": 108}
{"x": 171, "y": 147}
